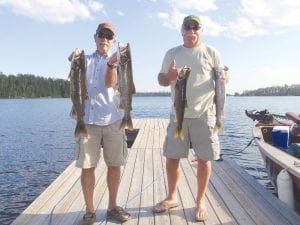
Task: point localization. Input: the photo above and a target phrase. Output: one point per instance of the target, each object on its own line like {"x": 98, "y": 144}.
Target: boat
{"x": 280, "y": 150}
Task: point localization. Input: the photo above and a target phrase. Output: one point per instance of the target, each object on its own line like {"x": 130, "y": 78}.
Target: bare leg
{"x": 113, "y": 181}
{"x": 203, "y": 175}
{"x": 88, "y": 185}
{"x": 173, "y": 175}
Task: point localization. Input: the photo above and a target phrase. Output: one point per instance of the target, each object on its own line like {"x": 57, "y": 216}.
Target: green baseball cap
{"x": 191, "y": 17}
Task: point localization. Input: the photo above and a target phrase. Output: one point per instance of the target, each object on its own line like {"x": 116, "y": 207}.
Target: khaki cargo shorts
{"x": 199, "y": 132}
{"x": 110, "y": 138}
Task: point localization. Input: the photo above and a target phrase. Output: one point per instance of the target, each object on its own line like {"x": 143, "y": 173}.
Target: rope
{"x": 51, "y": 214}
{"x": 235, "y": 153}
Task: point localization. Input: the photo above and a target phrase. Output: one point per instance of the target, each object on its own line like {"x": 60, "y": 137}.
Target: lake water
{"x": 36, "y": 141}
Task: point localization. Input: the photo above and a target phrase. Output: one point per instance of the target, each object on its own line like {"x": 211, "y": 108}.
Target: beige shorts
{"x": 110, "y": 138}
{"x": 197, "y": 131}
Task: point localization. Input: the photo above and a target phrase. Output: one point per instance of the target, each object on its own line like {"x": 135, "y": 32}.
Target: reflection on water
{"x": 36, "y": 141}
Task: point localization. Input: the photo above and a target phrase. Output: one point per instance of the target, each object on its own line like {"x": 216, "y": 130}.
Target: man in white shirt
{"x": 102, "y": 119}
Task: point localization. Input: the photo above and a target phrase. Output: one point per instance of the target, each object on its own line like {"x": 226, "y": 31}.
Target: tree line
{"x": 31, "y": 86}
{"x": 285, "y": 90}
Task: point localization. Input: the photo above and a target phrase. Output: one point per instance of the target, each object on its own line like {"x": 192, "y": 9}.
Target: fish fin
{"x": 175, "y": 119}
{"x": 129, "y": 124}
{"x": 81, "y": 129}
{"x": 73, "y": 113}
{"x": 117, "y": 92}
{"x": 176, "y": 134}
{"x": 133, "y": 90}
{"x": 69, "y": 76}
{"x": 179, "y": 134}
{"x": 121, "y": 106}
{"x": 218, "y": 127}
{"x": 126, "y": 122}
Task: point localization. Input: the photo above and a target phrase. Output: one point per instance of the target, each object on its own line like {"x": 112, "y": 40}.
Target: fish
{"x": 78, "y": 92}
{"x": 125, "y": 84}
{"x": 180, "y": 102}
{"x": 220, "y": 79}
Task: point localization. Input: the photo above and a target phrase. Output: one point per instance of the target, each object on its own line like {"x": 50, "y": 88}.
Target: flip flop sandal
{"x": 89, "y": 219}
{"x": 119, "y": 214}
{"x": 164, "y": 206}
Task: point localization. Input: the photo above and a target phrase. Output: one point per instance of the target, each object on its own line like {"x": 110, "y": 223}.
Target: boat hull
{"x": 276, "y": 159}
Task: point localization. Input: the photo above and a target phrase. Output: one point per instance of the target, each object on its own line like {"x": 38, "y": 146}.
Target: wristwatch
{"x": 113, "y": 66}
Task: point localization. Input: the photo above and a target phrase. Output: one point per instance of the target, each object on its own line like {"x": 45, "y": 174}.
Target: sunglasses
{"x": 102, "y": 34}
{"x": 194, "y": 28}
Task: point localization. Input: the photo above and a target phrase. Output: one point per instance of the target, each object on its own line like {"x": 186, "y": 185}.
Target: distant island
{"x": 31, "y": 86}
{"x": 285, "y": 90}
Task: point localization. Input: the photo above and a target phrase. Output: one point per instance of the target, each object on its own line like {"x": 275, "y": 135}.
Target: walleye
{"x": 78, "y": 92}
{"x": 180, "y": 102}
{"x": 126, "y": 86}
{"x": 220, "y": 94}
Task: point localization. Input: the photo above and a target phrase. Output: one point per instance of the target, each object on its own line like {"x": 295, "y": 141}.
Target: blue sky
{"x": 259, "y": 40}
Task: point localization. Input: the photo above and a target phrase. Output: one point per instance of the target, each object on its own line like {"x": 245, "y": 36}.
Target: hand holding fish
{"x": 226, "y": 71}
{"x": 74, "y": 54}
{"x": 165, "y": 79}
{"x": 172, "y": 73}
{"x": 113, "y": 59}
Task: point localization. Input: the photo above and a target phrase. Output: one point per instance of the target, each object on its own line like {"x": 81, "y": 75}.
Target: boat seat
{"x": 294, "y": 117}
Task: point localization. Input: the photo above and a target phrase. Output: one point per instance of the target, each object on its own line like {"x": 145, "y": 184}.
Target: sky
{"x": 259, "y": 40}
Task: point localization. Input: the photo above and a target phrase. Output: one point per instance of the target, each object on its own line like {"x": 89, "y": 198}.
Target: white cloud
{"x": 171, "y": 20}
{"x": 251, "y": 17}
{"x": 259, "y": 17}
{"x": 179, "y": 9}
{"x": 54, "y": 11}
{"x": 120, "y": 13}
{"x": 96, "y": 6}
{"x": 212, "y": 28}
{"x": 199, "y": 6}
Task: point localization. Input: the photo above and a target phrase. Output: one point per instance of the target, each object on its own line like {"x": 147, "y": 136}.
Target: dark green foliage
{"x": 30, "y": 86}
{"x": 286, "y": 90}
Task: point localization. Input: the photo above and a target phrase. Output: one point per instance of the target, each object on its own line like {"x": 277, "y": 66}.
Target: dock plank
{"x": 233, "y": 196}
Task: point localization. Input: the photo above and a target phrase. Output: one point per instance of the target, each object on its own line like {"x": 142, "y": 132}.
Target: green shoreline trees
{"x": 31, "y": 86}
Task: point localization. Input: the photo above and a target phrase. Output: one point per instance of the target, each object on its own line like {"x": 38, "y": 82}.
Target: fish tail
{"x": 218, "y": 127}
{"x": 179, "y": 134}
{"x": 126, "y": 122}
{"x": 81, "y": 129}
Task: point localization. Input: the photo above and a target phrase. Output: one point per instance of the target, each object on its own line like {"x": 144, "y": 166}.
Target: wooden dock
{"x": 234, "y": 197}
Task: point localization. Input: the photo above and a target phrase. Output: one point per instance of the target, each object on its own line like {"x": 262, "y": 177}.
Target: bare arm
{"x": 111, "y": 72}
{"x": 110, "y": 77}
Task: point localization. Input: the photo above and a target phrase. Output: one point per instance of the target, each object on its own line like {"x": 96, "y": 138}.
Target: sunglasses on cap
{"x": 106, "y": 35}
{"x": 194, "y": 28}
